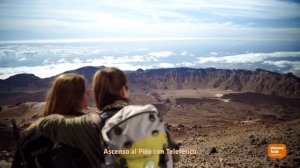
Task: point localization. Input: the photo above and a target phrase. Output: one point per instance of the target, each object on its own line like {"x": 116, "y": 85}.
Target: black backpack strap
{"x": 20, "y": 151}
{"x": 104, "y": 116}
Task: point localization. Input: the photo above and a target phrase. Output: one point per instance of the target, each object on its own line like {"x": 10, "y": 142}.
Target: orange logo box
{"x": 276, "y": 151}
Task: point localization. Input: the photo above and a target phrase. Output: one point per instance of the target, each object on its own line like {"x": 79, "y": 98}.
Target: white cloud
{"x": 185, "y": 64}
{"x": 28, "y": 51}
{"x": 72, "y": 57}
{"x": 161, "y": 54}
{"x": 276, "y": 61}
{"x": 62, "y": 60}
{"x": 46, "y": 61}
{"x": 123, "y": 59}
{"x": 143, "y": 18}
{"x": 143, "y": 49}
{"x": 214, "y": 53}
{"x": 185, "y": 53}
{"x": 41, "y": 71}
{"x": 54, "y": 69}
{"x": 22, "y": 59}
{"x": 49, "y": 60}
{"x": 77, "y": 60}
{"x": 247, "y": 58}
{"x": 267, "y": 9}
{"x": 166, "y": 65}
{"x": 295, "y": 65}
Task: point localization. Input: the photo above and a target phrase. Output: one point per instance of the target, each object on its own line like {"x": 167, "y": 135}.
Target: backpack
{"x": 135, "y": 137}
{"x": 36, "y": 151}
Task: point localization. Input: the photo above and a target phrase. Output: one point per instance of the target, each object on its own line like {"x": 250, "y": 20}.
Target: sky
{"x": 47, "y": 37}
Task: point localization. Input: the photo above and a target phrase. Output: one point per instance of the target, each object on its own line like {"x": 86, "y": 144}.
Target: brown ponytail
{"x": 107, "y": 84}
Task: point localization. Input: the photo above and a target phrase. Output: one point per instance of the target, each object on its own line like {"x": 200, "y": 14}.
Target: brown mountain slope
{"x": 168, "y": 79}
{"x": 236, "y": 80}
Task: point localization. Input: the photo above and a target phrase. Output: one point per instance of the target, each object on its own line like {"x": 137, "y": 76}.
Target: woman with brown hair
{"x": 110, "y": 87}
{"x": 67, "y": 96}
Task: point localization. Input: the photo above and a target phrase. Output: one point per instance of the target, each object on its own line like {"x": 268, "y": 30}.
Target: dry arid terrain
{"x": 239, "y": 145}
{"x": 228, "y": 116}
{"x": 227, "y": 128}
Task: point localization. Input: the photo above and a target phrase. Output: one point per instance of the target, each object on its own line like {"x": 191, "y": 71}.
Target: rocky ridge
{"x": 23, "y": 87}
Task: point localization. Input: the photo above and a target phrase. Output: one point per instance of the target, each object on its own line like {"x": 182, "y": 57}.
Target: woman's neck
{"x": 117, "y": 104}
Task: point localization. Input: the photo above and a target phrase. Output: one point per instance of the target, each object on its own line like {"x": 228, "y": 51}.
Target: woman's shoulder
{"x": 32, "y": 127}
{"x": 94, "y": 117}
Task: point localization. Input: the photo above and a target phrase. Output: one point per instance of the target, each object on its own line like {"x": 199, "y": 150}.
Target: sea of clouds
{"x": 45, "y": 60}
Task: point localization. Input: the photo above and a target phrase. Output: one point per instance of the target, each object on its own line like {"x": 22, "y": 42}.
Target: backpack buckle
{"x": 104, "y": 115}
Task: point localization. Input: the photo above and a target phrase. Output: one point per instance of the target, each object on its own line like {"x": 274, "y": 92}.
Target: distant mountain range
{"x": 175, "y": 78}
{"x": 237, "y": 80}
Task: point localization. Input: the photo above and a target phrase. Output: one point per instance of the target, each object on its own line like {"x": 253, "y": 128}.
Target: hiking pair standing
{"x": 119, "y": 126}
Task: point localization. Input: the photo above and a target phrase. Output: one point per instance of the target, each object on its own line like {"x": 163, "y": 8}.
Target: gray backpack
{"x": 136, "y": 137}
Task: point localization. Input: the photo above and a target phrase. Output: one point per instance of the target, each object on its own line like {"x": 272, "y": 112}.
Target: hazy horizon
{"x": 49, "y": 37}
